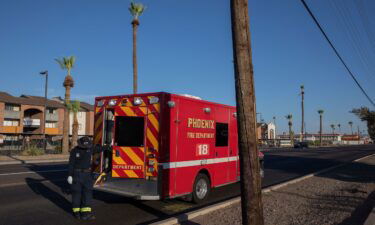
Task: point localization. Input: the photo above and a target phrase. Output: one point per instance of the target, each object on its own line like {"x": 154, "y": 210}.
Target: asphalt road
{"x": 34, "y": 194}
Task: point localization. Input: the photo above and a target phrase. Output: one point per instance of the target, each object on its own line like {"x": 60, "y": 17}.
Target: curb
{"x": 191, "y": 215}
{"x": 15, "y": 162}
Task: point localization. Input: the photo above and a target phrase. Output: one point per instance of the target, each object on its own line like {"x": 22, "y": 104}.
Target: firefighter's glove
{"x": 70, "y": 180}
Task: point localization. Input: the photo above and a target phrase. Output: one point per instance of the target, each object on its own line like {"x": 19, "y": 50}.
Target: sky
{"x": 185, "y": 47}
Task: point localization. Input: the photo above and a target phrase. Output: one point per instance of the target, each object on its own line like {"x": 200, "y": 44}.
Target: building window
{"x": 51, "y": 111}
{"x": 221, "y": 134}
{"x": 11, "y": 107}
{"x": 11, "y": 123}
{"x": 51, "y": 125}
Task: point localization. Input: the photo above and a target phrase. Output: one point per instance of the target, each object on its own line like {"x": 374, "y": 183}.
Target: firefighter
{"x": 80, "y": 179}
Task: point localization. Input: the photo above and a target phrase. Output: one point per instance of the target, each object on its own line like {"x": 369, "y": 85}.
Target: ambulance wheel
{"x": 201, "y": 188}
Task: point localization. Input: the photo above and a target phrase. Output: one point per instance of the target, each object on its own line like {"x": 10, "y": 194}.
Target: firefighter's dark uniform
{"x": 82, "y": 185}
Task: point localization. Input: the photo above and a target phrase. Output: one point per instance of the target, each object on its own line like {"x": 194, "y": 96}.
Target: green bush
{"x": 34, "y": 151}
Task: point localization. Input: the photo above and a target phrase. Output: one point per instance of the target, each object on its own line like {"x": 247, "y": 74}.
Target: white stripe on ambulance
{"x": 200, "y": 162}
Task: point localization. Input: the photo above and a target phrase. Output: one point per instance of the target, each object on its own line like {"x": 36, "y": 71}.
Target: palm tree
{"x": 74, "y": 106}
{"x": 339, "y": 126}
{"x": 136, "y": 9}
{"x": 289, "y": 117}
{"x": 320, "y": 111}
{"x": 351, "y": 126}
{"x": 333, "y": 130}
{"x": 66, "y": 63}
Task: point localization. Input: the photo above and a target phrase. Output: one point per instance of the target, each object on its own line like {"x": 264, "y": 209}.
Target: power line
{"x": 337, "y": 54}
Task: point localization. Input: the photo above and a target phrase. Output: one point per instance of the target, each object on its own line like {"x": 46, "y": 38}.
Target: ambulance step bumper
{"x": 134, "y": 188}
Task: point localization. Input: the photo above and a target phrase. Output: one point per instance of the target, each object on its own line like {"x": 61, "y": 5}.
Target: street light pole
{"x": 45, "y": 108}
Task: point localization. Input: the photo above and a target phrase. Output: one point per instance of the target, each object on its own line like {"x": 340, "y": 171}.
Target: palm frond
{"x": 136, "y": 9}
{"x": 61, "y": 63}
{"x": 72, "y": 60}
{"x": 66, "y": 63}
{"x": 73, "y": 106}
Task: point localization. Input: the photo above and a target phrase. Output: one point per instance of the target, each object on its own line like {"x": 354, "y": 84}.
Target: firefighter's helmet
{"x": 84, "y": 142}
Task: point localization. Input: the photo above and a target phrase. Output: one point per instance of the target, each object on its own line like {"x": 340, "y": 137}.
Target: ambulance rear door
{"x": 128, "y": 159}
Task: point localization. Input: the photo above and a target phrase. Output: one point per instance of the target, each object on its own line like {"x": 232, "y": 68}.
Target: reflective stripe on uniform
{"x": 86, "y": 209}
{"x": 76, "y": 209}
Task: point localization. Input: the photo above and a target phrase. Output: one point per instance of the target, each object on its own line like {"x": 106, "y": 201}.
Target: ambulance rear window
{"x": 129, "y": 131}
{"x": 221, "y": 134}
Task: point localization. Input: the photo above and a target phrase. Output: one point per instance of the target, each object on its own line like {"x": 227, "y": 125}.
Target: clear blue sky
{"x": 185, "y": 47}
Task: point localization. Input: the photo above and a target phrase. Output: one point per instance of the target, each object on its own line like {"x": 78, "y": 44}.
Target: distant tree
{"x": 136, "y": 9}
{"x": 365, "y": 114}
{"x": 289, "y": 117}
{"x": 339, "y": 126}
{"x": 74, "y": 107}
{"x": 320, "y": 111}
{"x": 66, "y": 63}
{"x": 333, "y": 128}
{"x": 351, "y": 126}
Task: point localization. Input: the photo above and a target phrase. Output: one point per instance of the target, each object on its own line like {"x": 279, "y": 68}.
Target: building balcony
{"x": 8, "y": 114}
{"x": 11, "y": 129}
{"x": 52, "y": 131}
{"x": 27, "y": 122}
{"x": 52, "y": 117}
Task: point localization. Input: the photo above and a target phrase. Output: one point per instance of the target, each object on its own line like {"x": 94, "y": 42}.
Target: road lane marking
{"x": 40, "y": 171}
{"x": 34, "y": 182}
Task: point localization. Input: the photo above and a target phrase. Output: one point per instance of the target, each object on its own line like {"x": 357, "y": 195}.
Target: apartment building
{"x": 85, "y": 118}
{"x": 24, "y": 115}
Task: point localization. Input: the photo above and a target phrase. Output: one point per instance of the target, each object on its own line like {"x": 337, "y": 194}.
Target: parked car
{"x": 301, "y": 144}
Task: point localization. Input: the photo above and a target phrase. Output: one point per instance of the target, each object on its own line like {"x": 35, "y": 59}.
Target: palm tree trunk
{"x": 291, "y": 136}
{"x": 135, "y": 24}
{"x": 320, "y": 130}
{"x": 75, "y": 130}
{"x": 251, "y": 194}
{"x": 65, "y": 144}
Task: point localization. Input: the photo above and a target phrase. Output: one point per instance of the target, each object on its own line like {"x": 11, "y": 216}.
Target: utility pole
{"x": 251, "y": 195}
{"x": 45, "y": 109}
{"x": 303, "y": 111}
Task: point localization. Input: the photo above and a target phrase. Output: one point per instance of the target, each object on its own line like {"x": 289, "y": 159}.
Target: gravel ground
{"x": 343, "y": 196}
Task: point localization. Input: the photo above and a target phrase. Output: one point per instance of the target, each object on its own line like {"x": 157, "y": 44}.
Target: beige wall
{"x": 2, "y": 108}
{"x": 90, "y": 123}
{"x": 60, "y": 123}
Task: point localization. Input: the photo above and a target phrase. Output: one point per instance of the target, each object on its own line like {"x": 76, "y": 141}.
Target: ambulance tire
{"x": 201, "y": 189}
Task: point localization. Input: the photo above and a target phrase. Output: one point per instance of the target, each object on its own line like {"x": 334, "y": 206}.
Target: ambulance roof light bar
{"x": 137, "y": 101}
{"x": 112, "y": 102}
{"x": 154, "y": 100}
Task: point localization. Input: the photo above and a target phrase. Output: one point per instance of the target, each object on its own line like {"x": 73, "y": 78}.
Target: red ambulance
{"x": 162, "y": 145}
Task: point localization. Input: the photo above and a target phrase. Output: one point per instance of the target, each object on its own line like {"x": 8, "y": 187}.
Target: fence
{"x": 30, "y": 144}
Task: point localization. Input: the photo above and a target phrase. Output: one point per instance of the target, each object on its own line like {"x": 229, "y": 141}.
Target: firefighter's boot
{"x": 87, "y": 216}
{"x": 77, "y": 215}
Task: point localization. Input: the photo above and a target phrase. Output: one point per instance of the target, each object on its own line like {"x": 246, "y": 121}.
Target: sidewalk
{"x": 48, "y": 158}
{"x": 344, "y": 196}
